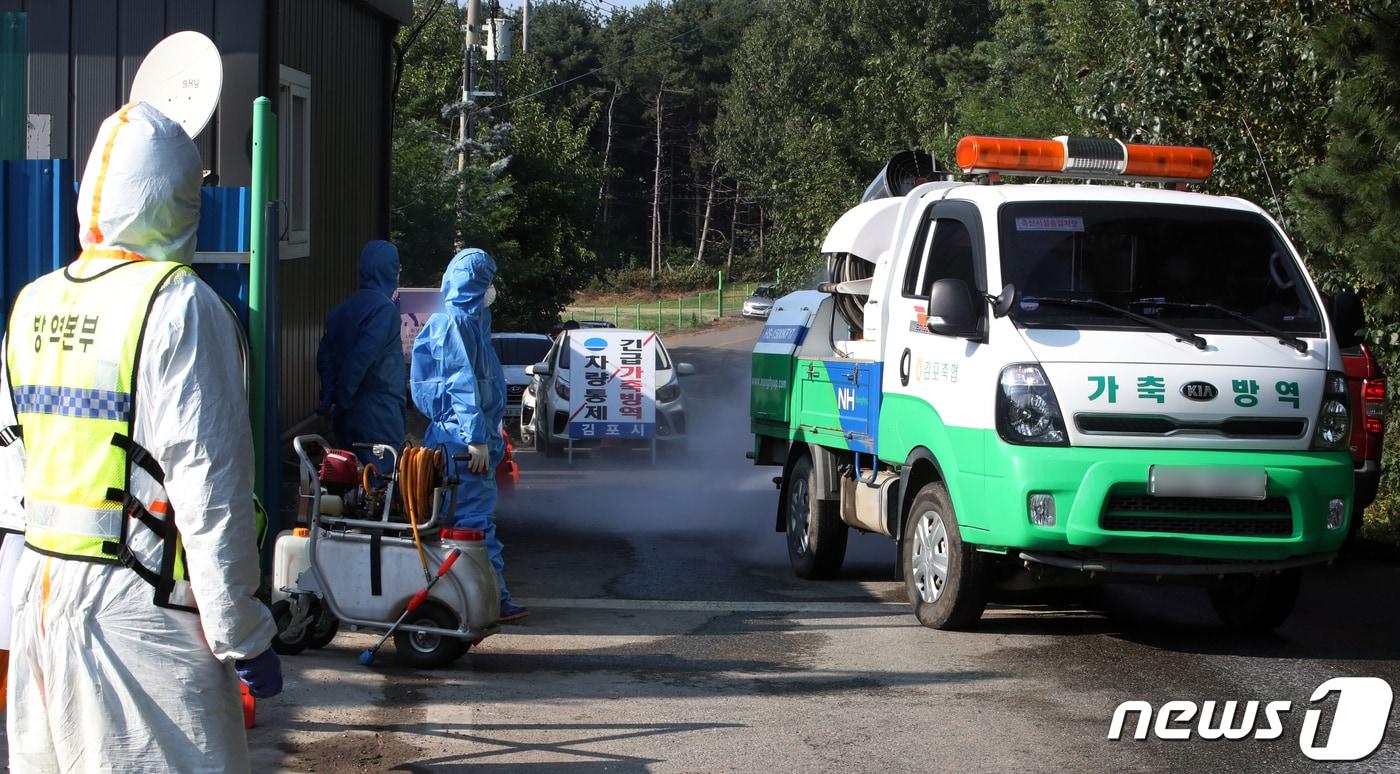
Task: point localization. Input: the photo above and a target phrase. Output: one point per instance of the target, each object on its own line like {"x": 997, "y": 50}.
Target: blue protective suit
{"x": 360, "y": 359}
{"x": 458, "y": 384}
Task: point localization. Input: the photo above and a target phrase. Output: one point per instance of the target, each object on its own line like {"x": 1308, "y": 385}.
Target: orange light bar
{"x": 1172, "y": 161}
{"x": 994, "y": 154}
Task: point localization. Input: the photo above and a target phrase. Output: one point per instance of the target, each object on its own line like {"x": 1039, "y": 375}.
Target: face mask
{"x": 490, "y": 295}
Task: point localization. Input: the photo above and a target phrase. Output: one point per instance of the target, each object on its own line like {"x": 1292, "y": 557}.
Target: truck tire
{"x": 816, "y": 536}
{"x": 945, "y": 578}
{"x": 1256, "y": 603}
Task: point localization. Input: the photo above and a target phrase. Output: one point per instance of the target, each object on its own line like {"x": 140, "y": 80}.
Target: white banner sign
{"x": 612, "y": 384}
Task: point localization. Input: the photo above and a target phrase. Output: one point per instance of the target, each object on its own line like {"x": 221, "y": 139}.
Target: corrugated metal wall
{"x": 83, "y": 56}
{"x": 345, "y": 49}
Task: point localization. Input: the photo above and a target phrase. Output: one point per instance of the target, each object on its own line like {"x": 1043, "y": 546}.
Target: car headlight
{"x": 669, "y": 392}
{"x": 1027, "y": 412}
{"x": 561, "y": 388}
{"x": 1334, "y": 416}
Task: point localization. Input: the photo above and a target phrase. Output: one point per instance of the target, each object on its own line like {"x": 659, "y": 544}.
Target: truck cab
{"x": 1056, "y": 384}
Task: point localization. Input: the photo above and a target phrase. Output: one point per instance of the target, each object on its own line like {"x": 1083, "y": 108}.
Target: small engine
{"x": 340, "y": 471}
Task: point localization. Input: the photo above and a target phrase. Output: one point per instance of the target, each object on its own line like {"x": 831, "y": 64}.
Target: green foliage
{"x": 809, "y": 121}
{"x": 554, "y": 179}
{"x": 1350, "y": 202}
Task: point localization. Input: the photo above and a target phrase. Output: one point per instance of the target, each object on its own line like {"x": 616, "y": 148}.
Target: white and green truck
{"x": 1060, "y": 384}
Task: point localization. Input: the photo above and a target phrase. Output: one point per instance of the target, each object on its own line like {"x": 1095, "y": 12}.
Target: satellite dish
{"x": 182, "y": 78}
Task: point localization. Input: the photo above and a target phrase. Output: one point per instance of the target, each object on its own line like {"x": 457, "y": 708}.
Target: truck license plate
{"x": 1225, "y": 483}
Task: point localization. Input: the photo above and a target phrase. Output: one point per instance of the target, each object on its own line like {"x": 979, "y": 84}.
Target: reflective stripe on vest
{"x": 74, "y": 349}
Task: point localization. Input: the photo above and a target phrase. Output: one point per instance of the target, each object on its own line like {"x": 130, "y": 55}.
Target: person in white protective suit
{"x": 123, "y": 394}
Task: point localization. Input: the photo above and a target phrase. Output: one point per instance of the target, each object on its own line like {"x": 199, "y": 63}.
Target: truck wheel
{"x": 428, "y": 651}
{"x": 945, "y": 577}
{"x": 816, "y": 536}
{"x": 1256, "y": 603}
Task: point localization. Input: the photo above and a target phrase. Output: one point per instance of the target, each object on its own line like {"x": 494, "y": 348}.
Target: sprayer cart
{"x": 373, "y": 555}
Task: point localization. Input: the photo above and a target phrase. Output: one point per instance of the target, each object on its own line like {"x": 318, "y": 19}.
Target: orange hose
{"x": 416, "y": 468}
{"x": 365, "y": 474}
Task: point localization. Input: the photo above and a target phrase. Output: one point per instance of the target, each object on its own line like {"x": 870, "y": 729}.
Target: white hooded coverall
{"x": 101, "y": 679}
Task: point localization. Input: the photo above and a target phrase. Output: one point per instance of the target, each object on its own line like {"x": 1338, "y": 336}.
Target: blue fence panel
{"x": 224, "y": 228}
{"x": 38, "y": 222}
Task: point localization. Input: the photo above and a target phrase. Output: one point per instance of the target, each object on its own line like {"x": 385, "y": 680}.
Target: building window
{"x": 294, "y": 162}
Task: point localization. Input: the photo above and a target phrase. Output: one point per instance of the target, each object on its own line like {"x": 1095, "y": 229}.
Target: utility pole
{"x": 468, "y": 82}
{"x": 525, "y": 28}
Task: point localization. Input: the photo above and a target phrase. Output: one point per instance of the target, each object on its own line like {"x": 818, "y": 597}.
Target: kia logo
{"x": 1199, "y": 391}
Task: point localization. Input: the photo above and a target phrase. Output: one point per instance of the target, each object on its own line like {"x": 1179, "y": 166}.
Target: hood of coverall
{"x": 465, "y": 280}
{"x": 140, "y": 189}
{"x": 379, "y": 267}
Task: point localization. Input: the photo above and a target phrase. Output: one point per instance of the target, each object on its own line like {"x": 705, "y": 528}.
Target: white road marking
{"x": 718, "y": 606}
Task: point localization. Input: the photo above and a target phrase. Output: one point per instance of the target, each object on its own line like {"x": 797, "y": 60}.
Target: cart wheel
{"x": 428, "y": 651}
{"x": 282, "y": 614}
{"x": 323, "y": 629}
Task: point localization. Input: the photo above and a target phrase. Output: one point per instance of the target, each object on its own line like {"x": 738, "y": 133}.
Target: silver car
{"x": 517, "y": 352}
{"x": 760, "y": 303}
{"x": 544, "y": 420}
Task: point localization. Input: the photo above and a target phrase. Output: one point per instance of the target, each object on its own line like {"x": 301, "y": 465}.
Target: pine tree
{"x": 1351, "y": 201}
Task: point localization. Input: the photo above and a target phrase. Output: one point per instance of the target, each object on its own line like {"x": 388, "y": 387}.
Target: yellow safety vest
{"x": 74, "y": 349}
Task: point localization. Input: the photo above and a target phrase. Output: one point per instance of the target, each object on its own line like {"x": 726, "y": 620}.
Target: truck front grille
{"x": 1161, "y": 425}
{"x": 1270, "y": 517}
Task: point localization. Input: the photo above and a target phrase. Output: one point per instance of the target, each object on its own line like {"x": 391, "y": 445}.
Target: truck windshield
{"x": 1204, "y": 269}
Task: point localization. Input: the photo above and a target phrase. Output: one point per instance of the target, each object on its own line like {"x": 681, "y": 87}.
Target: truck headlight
{"x": 1334, "y": 416}
{"x": 1027, "y": 412}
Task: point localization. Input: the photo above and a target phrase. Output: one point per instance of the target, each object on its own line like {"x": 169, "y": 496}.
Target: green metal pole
{"x": 264, "y": 137}
{"x": 639, "y": 316}
{"x": 658, "y": 315}
{"x": 780, "y": 275}
{"x": 720, "y": 306}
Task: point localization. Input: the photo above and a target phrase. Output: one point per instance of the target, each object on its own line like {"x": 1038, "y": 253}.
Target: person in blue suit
{"x": 458, "y": 384}
{"x": 360, "y": 358}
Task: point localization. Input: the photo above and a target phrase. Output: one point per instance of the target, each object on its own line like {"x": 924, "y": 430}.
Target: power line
{"x": 747, "y": 6}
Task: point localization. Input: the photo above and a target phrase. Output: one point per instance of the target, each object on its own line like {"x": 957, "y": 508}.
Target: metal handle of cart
{"x": 311, "y": 480}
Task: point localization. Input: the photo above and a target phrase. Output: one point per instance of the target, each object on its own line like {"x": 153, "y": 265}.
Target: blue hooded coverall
{"x": 458, "y": 384}
{"x": 360, "y": 358}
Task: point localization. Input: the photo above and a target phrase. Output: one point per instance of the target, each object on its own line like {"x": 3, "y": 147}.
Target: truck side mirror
{"x": 538, "y": 369}
{"x": 1348, "y": 320}
{"x": 1002, "y": 303}
{"x": 952, "y": 310}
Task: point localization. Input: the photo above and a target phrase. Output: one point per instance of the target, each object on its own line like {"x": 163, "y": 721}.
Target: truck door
{"x": 935, "y": 393}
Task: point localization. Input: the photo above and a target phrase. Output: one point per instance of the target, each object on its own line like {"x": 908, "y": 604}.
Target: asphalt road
{"x": 668, "y": 634}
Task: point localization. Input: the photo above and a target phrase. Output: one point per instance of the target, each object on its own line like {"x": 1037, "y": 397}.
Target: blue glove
{"x": 262, "y": 674}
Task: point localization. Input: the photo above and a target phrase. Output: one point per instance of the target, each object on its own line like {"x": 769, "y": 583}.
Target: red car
{"x": 1368, "y": 424}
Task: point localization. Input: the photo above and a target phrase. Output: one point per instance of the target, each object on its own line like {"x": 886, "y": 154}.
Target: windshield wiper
{"x": 1181, "y": 334}
{"x": 1284, "y": 337}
